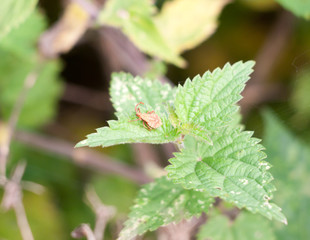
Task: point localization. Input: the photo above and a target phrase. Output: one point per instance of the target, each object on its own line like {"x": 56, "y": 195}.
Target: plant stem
{"x": 5, "y": 145}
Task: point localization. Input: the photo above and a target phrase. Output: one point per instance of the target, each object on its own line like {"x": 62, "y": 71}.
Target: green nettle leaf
{"x": 247, "y": 226}
{"x": 185, "y": 24}
{"x": 233, "y": 169}
{"x": 13, "y": 12}
{"x": 300, "y": 8}
{"x": 206, "y": 104}
{"x": 163, "y": 202}
{"x": 134, "y": 17}
{"x": 291, "y": 160}
{"x": 124, "y": 131}
{"x": 126, "y": 91}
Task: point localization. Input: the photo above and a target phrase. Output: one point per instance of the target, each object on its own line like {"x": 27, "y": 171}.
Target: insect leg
{"x": 138, "y": 109}
{"x": 135, "y": 120}
{"x": 147, "y": 126}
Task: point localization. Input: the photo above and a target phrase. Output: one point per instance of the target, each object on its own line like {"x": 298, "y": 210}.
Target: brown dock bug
{"x": 150, "y": 119}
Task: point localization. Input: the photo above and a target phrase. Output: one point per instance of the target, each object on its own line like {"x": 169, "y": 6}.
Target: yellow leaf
{"x": 64, "y": 34}
{"x": 185, "y": 24}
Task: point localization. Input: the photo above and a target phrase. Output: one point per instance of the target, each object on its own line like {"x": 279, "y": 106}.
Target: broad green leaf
{"x": 300, "y": 8}
{"x": 126, "y": 91}
{"x": 129, "y": 131}
{"x": 233, "y": 169}
{"x": 19, "y": 58}
{"x": 208, "y": 103}
{"x": 160, "y": 203}
{"x": 134, "y": 17}
{"x": 185, "y": 24}
{"x": 247, "y": 226}
{"x": 22, "y": 40}
{"x": 291, "y": 160}
{"x": 13, "y": 13}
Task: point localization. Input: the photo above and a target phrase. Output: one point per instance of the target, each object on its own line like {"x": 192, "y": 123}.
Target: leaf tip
{"x": 180, "y": 62}
{"x": 250, "y": 63}
{"x": 82, "y": 143}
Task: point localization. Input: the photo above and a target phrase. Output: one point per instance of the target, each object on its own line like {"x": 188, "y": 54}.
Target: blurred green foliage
{"x": 18, "y": 59}
{"x": 12, "y": 13}
{"x": 162, "y": 202}
{"x": 247, "y": 226}
{"x": 243, "y": 27}
{"x": 45, "y": 219}
{"x": 122, "y": 199}
{"x": 300, "y": 99}
{"x": 290, "y": 158}
{"x": 299, "y": 7}
{"x": 135, "y": 19}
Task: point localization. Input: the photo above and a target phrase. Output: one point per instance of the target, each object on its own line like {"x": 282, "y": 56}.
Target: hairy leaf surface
{"x": 233, "y": 169}
{"x": 208, "y": 103}
{"x": 126, "y": 91}
{"x": 163, "y": 202}
{"x": 124, "y": 131}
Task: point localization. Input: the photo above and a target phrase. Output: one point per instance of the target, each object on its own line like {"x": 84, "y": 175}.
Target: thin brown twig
{"x": 22, "y": 221}
{"x": 103, "y": 213}
{"x": 82, "y": 231}
{"x": 5, "y": 146}
{"x": 144, "y": 154}
{"x": 183, "y": 230}
{"x": 83, "y": 157}
{"x": 13, "y": 194}
{"x": 12, "y": 199}
{"x": 120, "y": 53}
{"x": 12, "y": 190}
{"x": 86, "y": 97}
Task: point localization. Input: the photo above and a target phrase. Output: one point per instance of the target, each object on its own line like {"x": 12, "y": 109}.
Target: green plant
{"x": 218, "y": 169}
{"x": 217, "y": 157}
